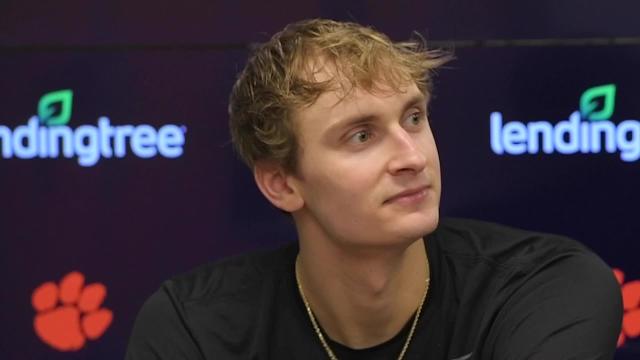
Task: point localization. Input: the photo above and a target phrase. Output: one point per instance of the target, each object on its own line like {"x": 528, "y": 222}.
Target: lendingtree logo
{"x": 587, "y": 131}
{"x": 47, "y": 135}
{"x": 47, "y": 108}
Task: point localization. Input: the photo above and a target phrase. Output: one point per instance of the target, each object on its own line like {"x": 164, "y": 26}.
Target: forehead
{"x": 346, "y": 87}
{"x": 347, "y": 99}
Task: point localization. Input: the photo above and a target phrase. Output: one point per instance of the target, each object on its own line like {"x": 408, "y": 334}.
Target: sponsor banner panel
{"x": 118, "y": 172}
{"x": 548, "y": 139}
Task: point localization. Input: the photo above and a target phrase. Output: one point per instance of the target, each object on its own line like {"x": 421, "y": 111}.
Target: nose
{"x": 407, "y": 156}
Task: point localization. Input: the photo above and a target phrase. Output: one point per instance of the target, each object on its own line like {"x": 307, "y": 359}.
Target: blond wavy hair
{"x": 279, "y": 79}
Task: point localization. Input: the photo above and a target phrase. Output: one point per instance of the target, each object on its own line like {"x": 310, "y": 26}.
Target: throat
{"x": 367, "y": 305}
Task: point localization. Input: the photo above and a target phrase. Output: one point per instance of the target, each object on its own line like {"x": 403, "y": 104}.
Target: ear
{"x": 274, "y": 183}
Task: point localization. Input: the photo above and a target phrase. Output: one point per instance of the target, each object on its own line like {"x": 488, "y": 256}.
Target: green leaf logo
{"x": 47, "y": 107}
{"x": 589, "y": 103}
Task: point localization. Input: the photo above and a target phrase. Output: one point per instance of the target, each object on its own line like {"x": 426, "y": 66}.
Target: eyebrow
{"x": 362, "y": 119}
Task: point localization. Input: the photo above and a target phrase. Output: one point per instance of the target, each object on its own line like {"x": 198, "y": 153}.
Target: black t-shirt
{"x": 496, "y": 293}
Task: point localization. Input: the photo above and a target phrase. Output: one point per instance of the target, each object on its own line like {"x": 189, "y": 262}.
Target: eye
{"x": 360, "y": 137}
{"x": 415, "y": 119}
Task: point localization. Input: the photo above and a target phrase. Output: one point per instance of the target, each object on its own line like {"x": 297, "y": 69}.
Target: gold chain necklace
{"x": 326, "y": 347}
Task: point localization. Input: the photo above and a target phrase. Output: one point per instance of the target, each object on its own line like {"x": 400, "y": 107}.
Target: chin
{"x": 400, "y": 233}
{"x": 417, "y": 225}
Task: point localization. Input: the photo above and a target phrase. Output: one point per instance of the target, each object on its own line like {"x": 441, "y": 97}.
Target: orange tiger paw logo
{"x": 631, "y": 304}
{"x": 69, "y": 313}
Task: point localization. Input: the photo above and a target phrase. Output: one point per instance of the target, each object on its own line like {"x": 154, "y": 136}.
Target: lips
{"x": 410, "y": 195}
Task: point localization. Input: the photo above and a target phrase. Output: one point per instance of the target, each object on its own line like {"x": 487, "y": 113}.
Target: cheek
{"x": 346, "y": 188}
{"x": 344, "y": 210}
{"x": 341, "y": 187}
{"x": 430, "y": 150}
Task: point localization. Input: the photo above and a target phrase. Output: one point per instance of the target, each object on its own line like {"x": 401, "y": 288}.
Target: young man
{"x": 332, "y": 119}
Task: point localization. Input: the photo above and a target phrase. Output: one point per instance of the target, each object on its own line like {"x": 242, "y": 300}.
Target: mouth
{"x": 409, "y": 196}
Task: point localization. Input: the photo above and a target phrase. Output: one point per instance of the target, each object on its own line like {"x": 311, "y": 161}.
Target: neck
{"x": 362, "y": 299}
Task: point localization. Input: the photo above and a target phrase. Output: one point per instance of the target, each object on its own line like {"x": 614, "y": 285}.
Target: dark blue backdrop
{"x": 131, "y": 223}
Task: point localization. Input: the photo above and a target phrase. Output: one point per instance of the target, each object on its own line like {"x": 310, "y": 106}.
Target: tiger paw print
{"x": 631, "y": 304}
{"x": 69, "y": 313}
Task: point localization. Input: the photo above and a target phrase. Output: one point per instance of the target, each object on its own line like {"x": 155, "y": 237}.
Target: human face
{"x": 368, "y": 169}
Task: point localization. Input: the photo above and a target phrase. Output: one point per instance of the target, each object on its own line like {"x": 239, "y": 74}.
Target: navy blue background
{"x": 131, "y": 223}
